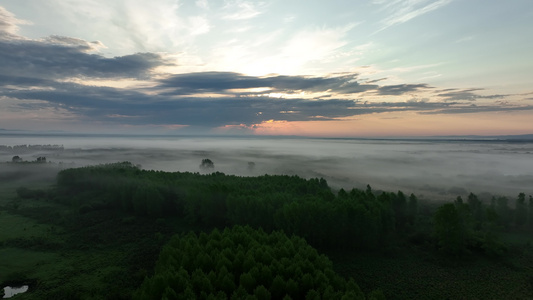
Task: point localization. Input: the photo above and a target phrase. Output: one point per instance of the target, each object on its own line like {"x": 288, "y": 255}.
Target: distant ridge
{"x": 523, "y": 137}
{"x": 513, "y": 138}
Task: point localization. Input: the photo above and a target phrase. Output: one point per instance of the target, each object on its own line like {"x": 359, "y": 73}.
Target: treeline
{"x": 460, "y": 227}
{"x": 17, "y": 159}
{"x": 30, "y": 148}
{"x": 243, "y": 263}
{"x": 308, "y": 208}
{"x": 358, "y": 219}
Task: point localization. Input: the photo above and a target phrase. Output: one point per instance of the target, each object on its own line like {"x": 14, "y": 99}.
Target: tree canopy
{"x": 243, "y": 263}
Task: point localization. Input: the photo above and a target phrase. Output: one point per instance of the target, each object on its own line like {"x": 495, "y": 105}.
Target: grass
{"x": 15, "y": 226}
{"x": 61, "y": 273}
{"x": 23, "y": 263}
{"x": 7, "y": 193}
{"x": 78, "y": 273}
{"x": 65, "y": 255}
{"x": 517, "y": 238}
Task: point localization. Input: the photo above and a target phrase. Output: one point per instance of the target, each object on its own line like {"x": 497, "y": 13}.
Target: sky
{"x": 375, "y": 68}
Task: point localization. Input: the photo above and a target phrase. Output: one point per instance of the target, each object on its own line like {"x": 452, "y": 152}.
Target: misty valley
{"x": 240, "y": 149}
{"x": 99, "y": 217}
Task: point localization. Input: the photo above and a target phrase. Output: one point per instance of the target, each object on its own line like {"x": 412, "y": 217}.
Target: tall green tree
{"x": 475, "y": 210}
{"x": 449, "y": 229}
{"x": 521, "y": 210}
{"x": 530, "y": 212}
{"x": 504, "y": 212}
{"x": 412, "y": 209}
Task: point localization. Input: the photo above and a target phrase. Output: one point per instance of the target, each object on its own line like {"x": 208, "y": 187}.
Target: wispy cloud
{"x": 282, "y": 52}
{"x": 465, "y": 39}
{"x": 242, "y": 10}
{"x": 9, "y": 24}
{"x": 401, "y": 11}
{"x": 468, "y": 94}
{"x": 401, "y": 89}
{"x": 202, "y": 4}
{"x": 478, "y": 109}
{"x": 414, "y": 68}
{"x": 198, "y": 25}
{"x": 133, "y": 26}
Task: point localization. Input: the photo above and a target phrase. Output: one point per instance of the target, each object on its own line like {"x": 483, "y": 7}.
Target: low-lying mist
{"x": 430, "y": 169}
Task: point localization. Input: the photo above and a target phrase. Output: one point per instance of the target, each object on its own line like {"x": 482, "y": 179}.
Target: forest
{"x": 116, "y": 231}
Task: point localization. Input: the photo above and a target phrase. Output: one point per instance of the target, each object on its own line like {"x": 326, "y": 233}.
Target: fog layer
{"x": 430, "y": 169}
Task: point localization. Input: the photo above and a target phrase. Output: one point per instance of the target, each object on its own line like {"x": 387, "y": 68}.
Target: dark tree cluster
{"x": 462, "y": 227}
{"x": 18, "y": 159}
{"x": 243, "y": 263}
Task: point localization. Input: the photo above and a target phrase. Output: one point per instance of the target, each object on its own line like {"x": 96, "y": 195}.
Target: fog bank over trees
{"x": 429, "y": 168}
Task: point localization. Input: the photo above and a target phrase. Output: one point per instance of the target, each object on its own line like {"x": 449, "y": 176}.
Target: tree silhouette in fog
{"x": 251, "y": 166}
{"x": 207, "y": 164}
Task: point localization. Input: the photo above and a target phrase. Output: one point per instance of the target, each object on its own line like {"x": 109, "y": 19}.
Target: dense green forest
{"x": 150, "y": 234}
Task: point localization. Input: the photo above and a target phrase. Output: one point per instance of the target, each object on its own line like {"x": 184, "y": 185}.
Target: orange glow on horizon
{"x": 402, "y": 124}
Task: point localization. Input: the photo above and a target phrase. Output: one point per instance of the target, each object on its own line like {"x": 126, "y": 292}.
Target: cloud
{"x": 62, "y": 57}
{"x": 182, "y": 99}
{"x": 133, "y": 26}
{"x": 198, "y": 25}
{"x": 401, "y": 89}
{"x": 242, "y": 10}
{"x": 464, "y": 39}
{"x": 479, "y": 109}
{"x": 73, "y": 42}
{"x": 58, "y": 75}
{"x": 284, "y": 51}
{"x": 135, "y": 107}
{"x": 225, "y": 82}
{"x": 467, "y": 94}
{"x": 9, "y": 24}
{"x": 202, "y": 4}
{"x": 18, "y": 82}
{"x": 403, "y": 11}
{"x": 317, "y": 45}
{"x": 376, "y": 80}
